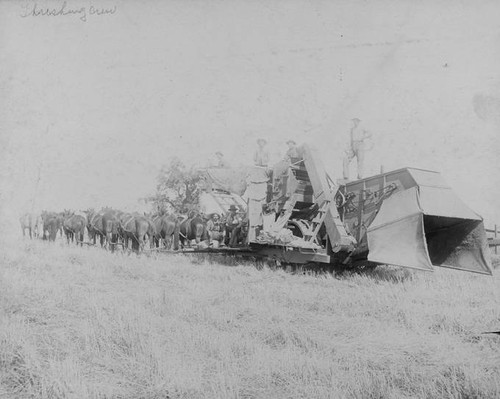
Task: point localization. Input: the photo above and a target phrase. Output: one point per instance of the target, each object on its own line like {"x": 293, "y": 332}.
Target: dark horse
{"x": 52, "y": 223}
{"x": 166, "y": 230}
{"x": 74, "y": 227}
{"x": 111, "y": 228}
{"x": 135, "y": 227}
{"x": 95, "y": 227}
{"x": 193, "y": 228}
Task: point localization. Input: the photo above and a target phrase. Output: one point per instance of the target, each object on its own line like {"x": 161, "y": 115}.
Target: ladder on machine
{"x": 312, "y": 234}
{"x": 323, "y": 189}
{"x": 287, "y": 210}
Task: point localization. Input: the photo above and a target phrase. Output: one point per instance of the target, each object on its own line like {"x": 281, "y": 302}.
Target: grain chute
{"x": 412, "y": 218}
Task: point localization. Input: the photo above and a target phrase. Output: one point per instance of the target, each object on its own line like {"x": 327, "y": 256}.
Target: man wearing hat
{"x": 261, "y": 155}
{"x": 292, "y": 154}
{"x": 356, "y": 148}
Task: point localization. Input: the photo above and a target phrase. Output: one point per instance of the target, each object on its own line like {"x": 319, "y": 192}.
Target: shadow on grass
{"x": 380, "y": 273}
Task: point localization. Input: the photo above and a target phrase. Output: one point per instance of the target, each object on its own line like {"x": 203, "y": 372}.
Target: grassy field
{"x": 84, "y": 323}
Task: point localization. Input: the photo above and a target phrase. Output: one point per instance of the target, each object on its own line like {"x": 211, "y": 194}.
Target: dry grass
{"x": 83, "y": 323}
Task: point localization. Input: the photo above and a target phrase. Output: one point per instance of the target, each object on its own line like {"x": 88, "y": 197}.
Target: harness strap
{"x": 130, "y": 219}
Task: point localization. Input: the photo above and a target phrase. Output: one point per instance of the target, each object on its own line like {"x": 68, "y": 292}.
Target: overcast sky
{"x": 93, "y": 105}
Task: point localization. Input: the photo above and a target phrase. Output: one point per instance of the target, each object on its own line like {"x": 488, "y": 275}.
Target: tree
{"x": 178, "y": 188}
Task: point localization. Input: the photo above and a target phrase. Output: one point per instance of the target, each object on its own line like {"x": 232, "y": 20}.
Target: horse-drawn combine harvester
{"x": 296, "y": 214}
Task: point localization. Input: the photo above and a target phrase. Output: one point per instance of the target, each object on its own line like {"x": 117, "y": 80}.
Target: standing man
{"x": 292, "y": 154}
{"x": 261, "y": 155}
{"x": 356, "y": 148}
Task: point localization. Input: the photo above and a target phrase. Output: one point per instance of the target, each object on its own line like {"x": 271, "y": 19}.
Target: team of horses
{"x": 112, "y": 228}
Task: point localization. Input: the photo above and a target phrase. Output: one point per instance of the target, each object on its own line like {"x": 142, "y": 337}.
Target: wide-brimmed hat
{"x": 356, "y": 119}
{"x": 233, "y": 208}
{"x": 213, "y": 215}
{"x": 218, "y": 153}
{"x": 291, "y": 141}
{"x": 261, "y": 141}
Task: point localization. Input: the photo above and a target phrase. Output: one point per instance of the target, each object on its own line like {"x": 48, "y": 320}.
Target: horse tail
{"x": 200, "y": 229}
{"x": 189, "y": 230}
{"x": 176, "y": 235}
{"x": 53, "y": 231}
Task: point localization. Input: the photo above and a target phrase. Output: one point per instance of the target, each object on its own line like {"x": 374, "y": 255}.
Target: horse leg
{"x": 112, "y": 240}
{"x": 199, "y": 233}
{"x": 135, "y": 244}
{"x": 142, "y": 242}
{"x": 176, "y": 237}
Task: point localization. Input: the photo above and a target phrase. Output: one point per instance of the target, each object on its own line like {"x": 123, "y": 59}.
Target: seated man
{"x": 215, "y": 228}
{"x": 233, "y": 221}
{"x": 239, "y": 233}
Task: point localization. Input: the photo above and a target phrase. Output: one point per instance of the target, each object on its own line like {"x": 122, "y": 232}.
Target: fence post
{"x": 495, "y": 239}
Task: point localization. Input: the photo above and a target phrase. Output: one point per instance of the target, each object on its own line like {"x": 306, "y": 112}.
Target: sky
{"x": 92, "y": 105}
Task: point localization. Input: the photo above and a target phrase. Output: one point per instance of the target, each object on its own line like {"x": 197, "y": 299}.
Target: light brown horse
{"x": 33, "y": 223}
{"x": 166, "y": 230}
